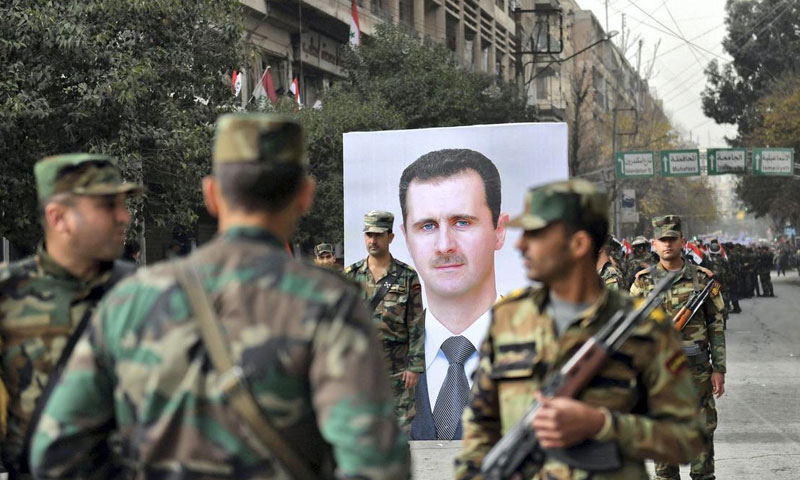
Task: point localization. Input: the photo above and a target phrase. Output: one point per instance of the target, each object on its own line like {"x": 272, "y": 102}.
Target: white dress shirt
{"x": 436, "y": 363}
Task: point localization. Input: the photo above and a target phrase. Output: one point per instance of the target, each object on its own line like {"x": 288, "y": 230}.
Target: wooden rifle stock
{"x": 688, "y": 311}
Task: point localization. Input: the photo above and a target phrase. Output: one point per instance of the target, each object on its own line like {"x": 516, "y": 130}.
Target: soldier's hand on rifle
{"x": 411, "y": 379}
{"x": 562, "y": 422}
{"x": 718, "y": 384}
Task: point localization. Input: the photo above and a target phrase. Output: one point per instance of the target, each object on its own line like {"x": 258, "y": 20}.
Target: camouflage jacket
{"x": 706, "y": 330}
{"x": 41, "y": 303}
{"x": 611, "y": 276}
{"x": 298, "y": 332}
{"x": 721, "y": 268}
{"x": 645, "y": 386}
{"x": 636, "y": 263}
{"x": 399, "y": 317}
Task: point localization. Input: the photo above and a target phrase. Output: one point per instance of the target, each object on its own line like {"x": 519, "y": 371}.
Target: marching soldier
{"x": 606, "y": 268}
{"x": 235, "y": 362}
{"x": 645, "y": 404}
{"x": 721, "y": 268}
{"x": 48, "y": 298}
{"x": 640, "y": 259}
{"x": 394, "y": 293}
{"x": 703, "y": 337}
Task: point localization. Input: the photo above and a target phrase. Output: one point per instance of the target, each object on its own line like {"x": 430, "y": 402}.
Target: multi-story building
{"x": 305, "y": 39}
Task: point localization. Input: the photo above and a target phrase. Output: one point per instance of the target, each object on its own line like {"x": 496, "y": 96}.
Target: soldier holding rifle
{"x": 703, "y": 335}
{"x": 640, "y": 401}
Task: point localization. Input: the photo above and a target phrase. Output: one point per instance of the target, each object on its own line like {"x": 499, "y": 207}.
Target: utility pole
{"x": 606, "y": 15}
{"x": 518, "y": 68}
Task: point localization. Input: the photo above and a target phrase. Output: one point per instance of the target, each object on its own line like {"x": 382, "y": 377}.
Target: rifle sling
{"x": 388, "y": 281}
{"x": 240, "y": 396}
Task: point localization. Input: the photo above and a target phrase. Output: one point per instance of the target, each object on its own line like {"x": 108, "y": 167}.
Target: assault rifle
{"x": 688, "y": 311}
{"x": 520, "y": 443}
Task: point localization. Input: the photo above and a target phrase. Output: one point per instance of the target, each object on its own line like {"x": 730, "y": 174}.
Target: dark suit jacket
{"x": 423, "y": 427}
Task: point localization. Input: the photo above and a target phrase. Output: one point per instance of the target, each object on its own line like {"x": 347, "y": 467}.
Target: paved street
{"x": 759, "y": 417}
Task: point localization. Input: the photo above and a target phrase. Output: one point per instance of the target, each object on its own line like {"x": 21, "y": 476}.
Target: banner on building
{"x": 628, "y": 211}
{"x": 471, "y": 235}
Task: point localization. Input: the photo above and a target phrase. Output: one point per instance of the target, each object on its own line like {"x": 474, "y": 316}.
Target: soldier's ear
{"x": 55, "y": 217}
{"x": 211, "y": 196}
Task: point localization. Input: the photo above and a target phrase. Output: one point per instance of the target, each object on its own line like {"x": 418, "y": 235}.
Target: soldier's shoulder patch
{"x": 513, "y": 296}
{"x": 353, "y": 267}
{"x": 676, "y": 363}
{"x": 715, "y": 289}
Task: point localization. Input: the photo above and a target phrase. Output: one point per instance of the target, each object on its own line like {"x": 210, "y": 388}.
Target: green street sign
{"x": 680, "y": 163}
{"x": 635, "y": 164}
{"x": 773, "y": 161}
{"x": 722, "y": 161}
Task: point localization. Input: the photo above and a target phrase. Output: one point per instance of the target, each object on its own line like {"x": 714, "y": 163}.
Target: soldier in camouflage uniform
{"x": 324, "y": 256}
{"x": 703, "y": 338}
{"x": 764, "y": 261}
{"x": 607, "y": 269}
{"x": 642, "y": 398}
{"x": 721, "y": 268}
{"x": 300, "y": 335}
{"x": 640, "y": 259}
{"x": 44, "y": 298}
{"x": 394, "y": 290}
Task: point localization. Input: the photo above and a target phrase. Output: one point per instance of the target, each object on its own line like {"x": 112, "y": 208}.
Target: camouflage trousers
{"x": 702, "y": 467}
{"x": 395, "y": 356}
{"x": 766, "y": 283}
{"x": 404, "y": 405}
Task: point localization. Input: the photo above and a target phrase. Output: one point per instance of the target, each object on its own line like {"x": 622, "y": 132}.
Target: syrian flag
{"x": 269, "y": 87}
{"x": 694, "y": 253}
{"x": 724, "y": 253}
{"x": 627, "y": 248}
{"x": 236, "y": 83}
{"x": 355, "y": 26}
{"x": 295, "y": 89}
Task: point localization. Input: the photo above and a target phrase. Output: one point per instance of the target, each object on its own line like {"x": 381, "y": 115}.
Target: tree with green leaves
{"x": 142, "y": 81}
{"x": 757, "y": 91}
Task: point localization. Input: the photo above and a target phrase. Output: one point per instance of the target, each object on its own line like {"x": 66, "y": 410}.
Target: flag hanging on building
{"x": 295, "y": 89}
{"x": 269, "y": 87}
{"x": 355, "y": 26}
{"x": 236, "y": 83}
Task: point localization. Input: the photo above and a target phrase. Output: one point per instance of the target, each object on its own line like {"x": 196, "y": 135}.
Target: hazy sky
{"x": 678, "y": 76}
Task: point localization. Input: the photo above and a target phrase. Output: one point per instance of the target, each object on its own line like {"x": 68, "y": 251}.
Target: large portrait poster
{"x": 525, "y": 155}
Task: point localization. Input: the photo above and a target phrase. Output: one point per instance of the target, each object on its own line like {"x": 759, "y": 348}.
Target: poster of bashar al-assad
{"x": 452, "y": 192}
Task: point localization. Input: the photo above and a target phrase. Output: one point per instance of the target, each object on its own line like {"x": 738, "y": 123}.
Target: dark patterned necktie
{"x": 454, "y": 393}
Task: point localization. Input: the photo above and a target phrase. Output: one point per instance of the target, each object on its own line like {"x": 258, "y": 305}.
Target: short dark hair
{"x": 450, "y": 162}
{"x": 596, "y": 226}
{"x": 253, "y": 187}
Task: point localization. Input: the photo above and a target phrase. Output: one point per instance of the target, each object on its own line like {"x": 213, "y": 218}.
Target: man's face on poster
{"x": 450, "y": 233}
